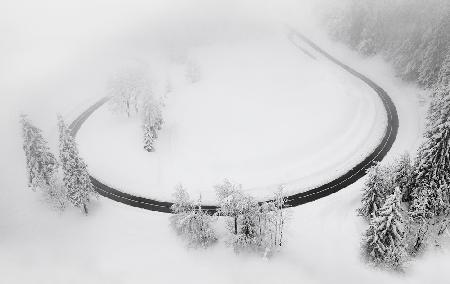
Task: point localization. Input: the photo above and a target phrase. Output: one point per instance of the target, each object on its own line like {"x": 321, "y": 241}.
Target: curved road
{"x": 357, "y": 172}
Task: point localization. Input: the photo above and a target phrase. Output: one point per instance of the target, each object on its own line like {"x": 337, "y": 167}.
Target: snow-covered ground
{"x": 263, "y": 114}
{"x": 44, "y": 75}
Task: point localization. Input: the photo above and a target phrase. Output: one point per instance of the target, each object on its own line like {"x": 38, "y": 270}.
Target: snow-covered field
{"x": 262, "y": 114}
{"x": 43, "y": 75}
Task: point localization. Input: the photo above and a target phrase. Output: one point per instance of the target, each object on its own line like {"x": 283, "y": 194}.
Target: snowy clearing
{"x": 263, "y": 114}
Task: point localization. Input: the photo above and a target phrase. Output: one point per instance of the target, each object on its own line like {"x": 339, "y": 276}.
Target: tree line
{"x": 411, "y": 34}
{"x": 407, "y": 202}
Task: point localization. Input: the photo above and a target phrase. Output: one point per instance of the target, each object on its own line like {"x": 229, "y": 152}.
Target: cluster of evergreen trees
{"x": 421, "y": 189}
{"x": 131, "y": 93}
{"x": 191, "y": 221}
{"x": 412, "y": 34}
{"x": 73, "y": 185}
{"x": 384, "y": 242}
{"x": 252, "y": 225}
{"x": 407, "y": 203}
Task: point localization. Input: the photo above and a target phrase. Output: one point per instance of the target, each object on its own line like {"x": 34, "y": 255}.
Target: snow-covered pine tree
{"x": 421, "y": 214}
{"x": 436, "y": 49}
{"x": 190, "y": 221}
{"x": 429, "y": 64}
{"x": 430, "y": 206}
{"x": 438, "y": 109}
{"x": 358, "y": 10}
{"x": 76, "y": 177}
{"x": 41, "y": 164}
{"x": 405, "y": 59}
{"x": 377, "y": 186}
{"x": 384, "y": 241}
{"x": 402, "y": 176}
{"x": 433, "y": 157}
{"x": 151, "y": 122}
{"x": 149, "y": 136}
{"x": 444, "y": 72}
{"x": 430, "y": 201}
{"x": 373, "y": 33}
{"x": 425, "y": 203}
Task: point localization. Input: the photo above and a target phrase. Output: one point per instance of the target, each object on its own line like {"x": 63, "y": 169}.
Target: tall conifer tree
{"x": 76, "y": 178}
{"x": 41, "y": 163}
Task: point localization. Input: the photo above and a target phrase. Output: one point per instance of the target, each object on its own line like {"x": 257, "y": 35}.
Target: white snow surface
{"x": 262, "y": 114}
{"x": 43, "y": 75}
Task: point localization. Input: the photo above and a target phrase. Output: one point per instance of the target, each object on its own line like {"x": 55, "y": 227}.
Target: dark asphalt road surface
{"x": 350, "y": 177}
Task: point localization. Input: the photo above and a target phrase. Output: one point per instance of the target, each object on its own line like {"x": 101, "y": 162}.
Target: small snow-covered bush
{"x": 190, "y": 221}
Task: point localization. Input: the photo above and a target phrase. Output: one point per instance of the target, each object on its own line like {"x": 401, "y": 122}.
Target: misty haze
{"x": 225, "y": 141}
